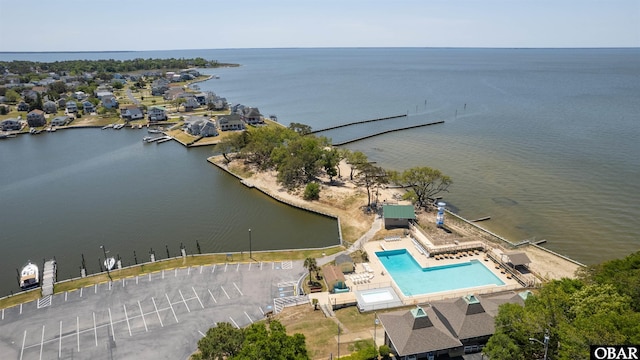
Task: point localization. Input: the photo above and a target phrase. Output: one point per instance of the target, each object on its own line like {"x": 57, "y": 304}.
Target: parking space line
{"x": 126, "y": 318}
{"x": 225, "y": 267}
{"x": 225, "y": 292}
{"x": 123, "y": 282}
{"x": 2, "y": 314}
{"x": 20, "y": 309}
{"x": 95, "y": 329}
{"x": 158, "y": 313}
{"x": 175, "y": 272}
{"x": 183, "y": 300}
{"x": 163, "y": 274}
{"x": 250, "y": 266}
{"x": 142, "y": 315}
{"x": 109, "y": 285}
{"x": 197, "y": 297}
{"x": 113, "y": 335}
{"x": 189, "y": 270}
{"x": 65, "y": 296}
{"x": 238, "y": 267}
{"x": 78, "y": 331}
{"x": 261, "y": 265}
{"x": 234, "y": 323}
{"x": 60, "y": 342}
{"x": 214, "y": 299}
{"x": 201, "y": 269}
{"x": 237, "y": 288}
{"x": 81, "y": 292}
{"x": 203, "y": 335}
{"x": 136, "y": 279}
{"x": 23, "y": 340}
{"x": 95, "y": 289}
{"x": 248, "y": 317}
{"x": 149, "y": 276}
{"x": 171, "y": 306}
{"x": 41, "y": 342}
{"x": 214, "y": 268}
{"x": 273, "y": 265}
{"x": 259, "y": 308}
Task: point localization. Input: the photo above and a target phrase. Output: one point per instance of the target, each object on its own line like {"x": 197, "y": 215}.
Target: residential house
{"x": 110, "y": 102}
{"x": 218, "y": 103}
{"x": 202, "y": 98}
{"x": 35, "y": 118}
{"x": 60, "y": 120}
{"x": 230, "y": 122}
{"x": 159, "y": 87}
{"x": 200, "y": 126}
{"x": 79, "y": 95}
{"x": 252, "y": 116}
{"x": 191, "y": 104}
{"x": 88, "y": 107}
{"x": 72, "y": 107}
{"x": 23, "y": 106}
{"x": 173, "y": 93}
{"x": 50, "y": 107}
{"x": 447, "y": 328}
{"x": 10, "y": 124}
{"x": 62, "y": 103}
{"x": 3, "y": 99}
{"x": 102, "y": 92}
{"x": 157, "y": 113}
{"x": 131, "y": 112}
{"x": 209, "y": 129}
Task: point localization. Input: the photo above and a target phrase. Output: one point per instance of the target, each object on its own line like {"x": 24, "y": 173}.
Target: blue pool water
{"x": 412, "y": 279}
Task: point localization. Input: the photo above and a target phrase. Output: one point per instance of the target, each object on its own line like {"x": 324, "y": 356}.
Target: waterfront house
{"x": 218, "y": 103}
{"x": 191, "y": 103}
{"x": 60, "y": 120}
{"x": 157, "y": 113}
{"x": 109, "y": 102}
{"x": 200, "y": 126}
{"x": 50, "y": 107}
{"x": 88, "y": 107}
{"x": 131, "y": 112}
{"x": 22, "y": 106}
{"x": 252, "y": 116}
{"x": 36, "y": 118}
{"x": 230, "y": 122}
{"x": 10, "y": 125}
{"x": 72, "y": 107}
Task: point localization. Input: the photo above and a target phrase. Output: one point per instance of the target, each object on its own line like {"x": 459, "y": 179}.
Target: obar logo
{"x": 627, "y": 352}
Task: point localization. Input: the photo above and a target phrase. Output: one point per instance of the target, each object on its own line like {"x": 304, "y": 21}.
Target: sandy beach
{"x": 346, "y": 201}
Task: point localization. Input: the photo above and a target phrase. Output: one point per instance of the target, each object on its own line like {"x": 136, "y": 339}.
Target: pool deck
{"x": 373, "y": 275}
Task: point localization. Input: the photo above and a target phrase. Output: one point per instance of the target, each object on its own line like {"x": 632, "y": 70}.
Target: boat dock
{"x": 48, "y": 277}
{"x": 159, "y": 139}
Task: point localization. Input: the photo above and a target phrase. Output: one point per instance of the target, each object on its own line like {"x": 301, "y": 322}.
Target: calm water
{"x": 543, "y": 141}
{"x": 416, "y": 280}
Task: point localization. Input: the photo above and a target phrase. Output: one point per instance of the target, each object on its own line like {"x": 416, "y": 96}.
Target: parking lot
{"x": 161, "y": 315}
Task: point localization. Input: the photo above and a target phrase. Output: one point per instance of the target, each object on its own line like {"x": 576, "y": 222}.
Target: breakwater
{"x": 357, "y": 122}
{"x": 386, "y": 132}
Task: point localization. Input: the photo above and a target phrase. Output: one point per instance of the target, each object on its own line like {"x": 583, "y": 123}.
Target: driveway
{"x": 161, "y": 315}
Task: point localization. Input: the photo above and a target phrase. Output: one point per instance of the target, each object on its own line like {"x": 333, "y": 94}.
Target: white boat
{"x": 29, "y": 276}
{"x": 107, "y": 127}
{"x": 109, "y": 263}
{"x": 154, "y": 131}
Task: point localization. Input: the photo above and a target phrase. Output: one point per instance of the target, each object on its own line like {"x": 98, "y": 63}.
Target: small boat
{"x": 107, "y": 127}
{"x": 29, "y": 276}
{"x": 109, "y": 263}
{"x": 33, "y": 131}
{"x": 154, "y": 131}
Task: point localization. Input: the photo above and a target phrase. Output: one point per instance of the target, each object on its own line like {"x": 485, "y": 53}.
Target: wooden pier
{"x": 48, "y": 277}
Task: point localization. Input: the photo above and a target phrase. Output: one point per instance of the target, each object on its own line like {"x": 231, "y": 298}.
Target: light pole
{"x": 250, "y": 257}
{"x": 375, "y": 328}
{"x": 545, "y": 342}
{"x": 106, "y": 265}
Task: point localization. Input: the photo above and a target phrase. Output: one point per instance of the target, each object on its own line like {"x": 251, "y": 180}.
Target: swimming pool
{"x": 412, "y": 279}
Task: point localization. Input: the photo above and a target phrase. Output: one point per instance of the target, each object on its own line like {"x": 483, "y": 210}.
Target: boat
{"x": 154, "y": 131}
{"x": 29, "y": 276}
{"x": 33, "y": 131}
{"x": 109, "y": 263}
{"x": 107, "y": 126}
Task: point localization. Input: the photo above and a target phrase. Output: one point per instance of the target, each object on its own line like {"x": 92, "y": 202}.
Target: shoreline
{"x": 545, "y": 264}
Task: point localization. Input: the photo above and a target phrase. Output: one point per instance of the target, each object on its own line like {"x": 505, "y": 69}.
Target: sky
{"x": 109, "y": 25}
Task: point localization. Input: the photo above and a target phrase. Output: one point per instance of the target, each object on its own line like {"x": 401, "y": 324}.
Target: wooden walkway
{"x": 48, "y": 277}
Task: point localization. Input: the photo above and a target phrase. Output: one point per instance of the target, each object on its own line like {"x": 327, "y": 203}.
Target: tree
{"x": 330, "y": 161}
{"x": 312, "y": 265}
{"x": 299, "y": 160}
{"x": 369, "y": 175}
{"x": 12, "y": 96}
{"x": 117, "y": 85}
{"x": 232, "y": 143}
{"x": 312, "y": 191}
{"x": 222, "y": 341}
{"x": 273, "y": 342}
{"x": 301, "y": 129}
{"x": 425, "y": 183}
{"x": 355, "y": 159}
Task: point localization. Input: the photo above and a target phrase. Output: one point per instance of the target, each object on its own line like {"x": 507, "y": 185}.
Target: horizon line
{"x": 325, "y": 47}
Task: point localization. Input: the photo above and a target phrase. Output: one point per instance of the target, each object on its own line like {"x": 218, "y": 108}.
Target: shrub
{"x": 312, "y": 191}
{"x": 385, "y": 351}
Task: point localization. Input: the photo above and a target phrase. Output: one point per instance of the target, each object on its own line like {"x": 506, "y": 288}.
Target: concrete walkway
{"x": 358, "y": 244}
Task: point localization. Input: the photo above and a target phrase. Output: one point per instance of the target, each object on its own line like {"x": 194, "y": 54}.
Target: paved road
{"x": 155, "y": 316}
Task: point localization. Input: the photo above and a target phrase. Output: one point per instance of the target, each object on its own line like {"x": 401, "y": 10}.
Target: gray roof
{"x": 417, "y": 331}
{"x": 465, "y": 317}
{"x": 518, "y": 258}
{"x": 343, "y": 258}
